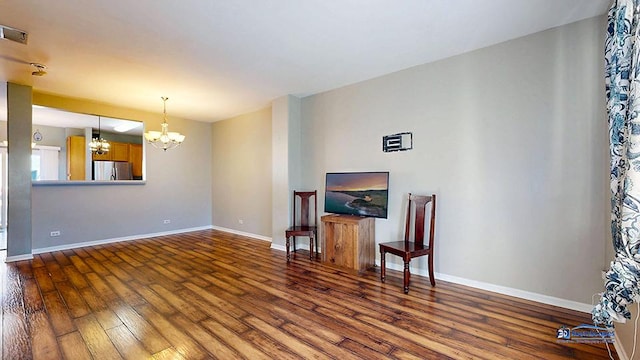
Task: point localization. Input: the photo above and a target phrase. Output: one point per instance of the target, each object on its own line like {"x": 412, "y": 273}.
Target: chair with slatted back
{"x": 302, "y": 226}
{"x": 408, "y": 250}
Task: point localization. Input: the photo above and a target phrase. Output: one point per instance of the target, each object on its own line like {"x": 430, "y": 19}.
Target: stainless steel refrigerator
{"x": 112, "y": 170}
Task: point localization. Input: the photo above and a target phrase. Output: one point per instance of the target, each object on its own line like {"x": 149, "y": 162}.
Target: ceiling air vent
{"x": 12, "y": 34}
{"x": 397, "y": 142}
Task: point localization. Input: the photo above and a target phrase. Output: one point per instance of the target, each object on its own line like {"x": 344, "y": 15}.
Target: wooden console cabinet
{"x": 348, "y": 241}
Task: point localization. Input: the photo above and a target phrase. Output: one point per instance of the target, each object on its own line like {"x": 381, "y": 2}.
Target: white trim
{"x": 115, "y": 240}
{"x": 86, "y": 183}
{"x": 278, "y": 247}
{"x": 545, "y": 299}
{"x": 241, "y": 233}
{"x": 298, "y": 247}
{"x": 622, "y": 355}
{"x": 18, "y": 258}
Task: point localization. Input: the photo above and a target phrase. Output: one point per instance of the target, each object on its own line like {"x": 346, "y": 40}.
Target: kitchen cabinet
{"x": 76, "y": 158}
{"x": 119, "y": 151}
{"x": 102, "y": 157}
{"x": 348, "y": 241}
{"x": 135, "y": 158}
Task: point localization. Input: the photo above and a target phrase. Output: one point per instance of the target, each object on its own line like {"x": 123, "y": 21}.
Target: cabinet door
{"x": 119, "y": 151}
{"x": 135, "y": 158}
{"x": 366, "y": 254}
{"x": 348, "y": 241}
{"x": 345, "y": 243}
{"x": 339, "y": 243}
{"x": 76, "y": 156}
{"x": 328, "y": 250}
{"x": 101, "y": 157}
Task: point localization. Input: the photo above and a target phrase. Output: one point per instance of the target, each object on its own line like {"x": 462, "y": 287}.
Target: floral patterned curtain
{"x": 622, "y": 73}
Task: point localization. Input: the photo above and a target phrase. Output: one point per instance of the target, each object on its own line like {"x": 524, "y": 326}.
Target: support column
{"x": 19, "y": 172}
{"x": 286, "y": 163}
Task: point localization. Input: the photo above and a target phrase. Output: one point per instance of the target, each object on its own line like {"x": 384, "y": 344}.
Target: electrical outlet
{"x": 167, "y": 221}
{"x": 55, "y": 233}
{"x": 240, "y": 221}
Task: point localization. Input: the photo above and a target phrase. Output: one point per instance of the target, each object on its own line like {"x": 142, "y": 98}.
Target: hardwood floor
{"x": 210, "y": 294}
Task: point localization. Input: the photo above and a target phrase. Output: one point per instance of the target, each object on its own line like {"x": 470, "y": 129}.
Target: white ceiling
{"x": 216, "y": 59}
{"x": 59, "y": 118}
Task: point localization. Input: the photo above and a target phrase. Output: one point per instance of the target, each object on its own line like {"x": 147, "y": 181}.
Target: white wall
{"x": 241, "y": 173}
{"x": 513, "y": 140}
{"x": 177, "y": 188}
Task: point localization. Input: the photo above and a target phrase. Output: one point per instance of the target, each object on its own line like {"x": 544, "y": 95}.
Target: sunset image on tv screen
{"x": 363, "y": 193}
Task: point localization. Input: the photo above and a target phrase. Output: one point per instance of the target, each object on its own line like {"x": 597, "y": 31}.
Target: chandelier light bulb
{"x": 164, "y": 139}
{"x": 99, "y": 145}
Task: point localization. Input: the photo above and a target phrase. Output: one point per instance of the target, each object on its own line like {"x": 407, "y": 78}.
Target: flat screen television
{"x": 357, "y": 193}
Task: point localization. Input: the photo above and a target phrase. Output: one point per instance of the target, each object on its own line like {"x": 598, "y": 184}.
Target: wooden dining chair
{"x": 408, "y": 250}
{"x": 302, "y": 226}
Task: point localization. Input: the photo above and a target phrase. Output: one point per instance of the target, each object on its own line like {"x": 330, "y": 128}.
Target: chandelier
{"x": 164, "y": 139}
{"x": 98, "y": 145}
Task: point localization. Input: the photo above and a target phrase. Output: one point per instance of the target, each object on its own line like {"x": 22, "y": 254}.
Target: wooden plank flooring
{"x": 210, "y": 294}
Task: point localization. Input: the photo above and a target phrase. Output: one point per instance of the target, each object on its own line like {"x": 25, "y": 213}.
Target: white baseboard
{"x": 279, "y": 247}
{"x": 115, "y": 240}
{"x": 18, "y": 258}
{"x": 298, "y": 247}
{"x": 241, "y": 233}
{"x": 527, "y": 295}
{"x": 545, "y": 299}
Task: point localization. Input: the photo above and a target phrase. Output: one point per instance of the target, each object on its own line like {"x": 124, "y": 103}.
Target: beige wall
{"x": 624, "y": 334}
{"x": 177, "y": 188}
{"x": 241, "y": 173}
{"x": 513, "y": 140}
